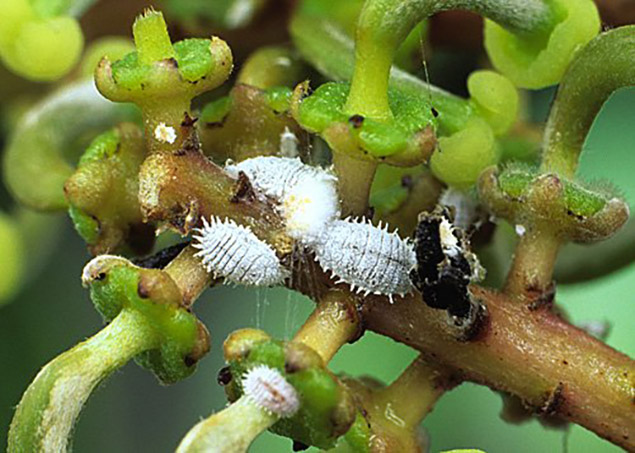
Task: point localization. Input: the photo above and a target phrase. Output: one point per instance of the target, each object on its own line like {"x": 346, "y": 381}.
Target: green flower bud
{"x": 145, "y": 320}
{"x": 38, "y": 46}
{"x": 566, "y": 208}
{"x": 112, "y": 47}
{"x": 51, "y": 130}
{"x": 539, "y": 59}
{"x": 461, "y": 157}
{"x": 494, "y": 98}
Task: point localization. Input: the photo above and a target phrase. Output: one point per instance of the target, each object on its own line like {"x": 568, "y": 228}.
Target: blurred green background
{"x": 133, "y": 413}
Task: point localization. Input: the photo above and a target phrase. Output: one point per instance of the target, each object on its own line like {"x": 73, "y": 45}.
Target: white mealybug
{"x": 368, "y": 258}
{"x": 306, "y": 196}
{"x": 235, "y": 253}
{"x": 266, "y": 388}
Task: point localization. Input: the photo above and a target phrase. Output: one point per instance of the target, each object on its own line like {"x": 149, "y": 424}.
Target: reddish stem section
{"x": 553, "y": 366}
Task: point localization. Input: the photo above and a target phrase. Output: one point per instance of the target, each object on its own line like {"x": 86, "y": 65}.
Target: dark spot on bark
{"x": 188, "y": 121}
{"x": 435, "y": 112}
{"x": 244, "y": 190}
{"x": 553, "y": 401}
{"x": 224, "y": 376}
{"x": 142, "y": 290}
{"x": 299, "y": 446}
{"x": 189, "y": 361}
{"x": 541, "y": 298}
{"x": 356, "y": 121}
{"x": 162, "y": 258}
{"x": 407, "y": 181}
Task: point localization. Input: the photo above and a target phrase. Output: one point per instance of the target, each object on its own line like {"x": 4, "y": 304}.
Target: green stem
{"x": 531, "y": 273}
{"x": 231, "y": 430}
{"x": 423, "y": 379}
{"x": 331, "y": 52}
{"x": 601, "y": 68}
{"x": 354, "y": 180}
{"x": 384, "y": 24}
{"x": 48, "y": 410}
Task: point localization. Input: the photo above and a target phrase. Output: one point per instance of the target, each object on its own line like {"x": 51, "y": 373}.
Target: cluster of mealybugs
{"x": 369, "y": 258}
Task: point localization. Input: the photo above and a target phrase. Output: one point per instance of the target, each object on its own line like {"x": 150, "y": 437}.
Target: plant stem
{"x": 384, "y": 24}
{"x": 414, "y": 393}
{"x": 582, "y": 93}
{"x": 532, "y": 269}
{"x": 231, "y": 430}
{"x": 551, "y": 365}
{"x": 354, "y": 179}
{"x": 189, "y": 275}
{"x": 47, "y": 412}
{"x": 331, "y": 51}
{"x": 333, "y": 323}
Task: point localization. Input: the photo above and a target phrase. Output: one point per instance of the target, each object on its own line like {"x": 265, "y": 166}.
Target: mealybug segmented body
{"x": 235, "y": 253}
{"x": 269, "y": 390}
{"x": 368, "y": 258}
{"x": 306, "y": 196}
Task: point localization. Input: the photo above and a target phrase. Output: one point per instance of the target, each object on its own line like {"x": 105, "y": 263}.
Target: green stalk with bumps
{"x": 548, "y": 205}
{"x": 146, "y": 322}
{"x": 162, "y": 79}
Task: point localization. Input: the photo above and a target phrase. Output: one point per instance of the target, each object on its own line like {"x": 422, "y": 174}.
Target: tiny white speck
{"x": 520, "y": 230}
{"x": 165, "y": 133}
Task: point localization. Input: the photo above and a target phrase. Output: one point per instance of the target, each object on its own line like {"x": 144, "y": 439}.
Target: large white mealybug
{"x": 235, "y": 253}
{"x": 269, "y": 390}
{"x": 368, "y": 258}
{"x": 306, "y": 196}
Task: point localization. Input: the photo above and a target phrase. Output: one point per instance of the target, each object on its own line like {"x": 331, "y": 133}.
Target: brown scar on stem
{"x": 553, "y": 402}
{"x": 541, "y": 299}
{"x": 244, "y": 189}
{"x": 477, "y": 327}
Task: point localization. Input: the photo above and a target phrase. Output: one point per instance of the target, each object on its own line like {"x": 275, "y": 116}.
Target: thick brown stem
{"x": 554, "y": 367}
